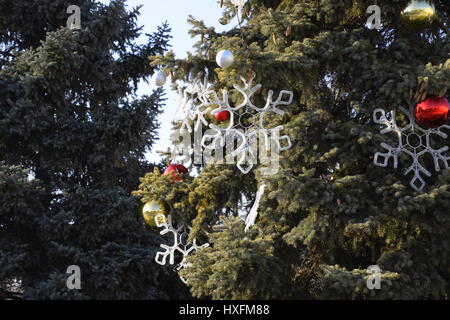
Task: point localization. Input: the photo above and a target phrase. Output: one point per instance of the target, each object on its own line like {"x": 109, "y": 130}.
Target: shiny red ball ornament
{"x": 175, "y": 170}
{"x": 222, "y": 115}
{"x": 433, "y": 112}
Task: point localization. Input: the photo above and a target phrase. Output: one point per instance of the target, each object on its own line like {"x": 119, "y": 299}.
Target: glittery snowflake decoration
{"x": 413, "y": 141}
{"x": 180, "y": 244}
{"x": 245, "y": 125}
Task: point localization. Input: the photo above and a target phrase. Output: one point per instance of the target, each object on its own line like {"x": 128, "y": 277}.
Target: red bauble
{"x": 175, "y": 170}
{"x": 222, "y": 115}
{"x": 433, "y": 112}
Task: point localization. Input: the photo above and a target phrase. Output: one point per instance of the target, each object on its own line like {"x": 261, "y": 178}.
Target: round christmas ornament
{"x": 433, "y": 112}
{"x": 175, "y": 170}
{"x": 154, "y": 208}
{"x": 222, "y": 116}
{"x": 418, "y": 15}
{"x": 224, "y": 58}
{"x": 159, "y": 78}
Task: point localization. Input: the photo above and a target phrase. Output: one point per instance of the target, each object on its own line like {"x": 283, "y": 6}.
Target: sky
{"x": 175, "y": 12}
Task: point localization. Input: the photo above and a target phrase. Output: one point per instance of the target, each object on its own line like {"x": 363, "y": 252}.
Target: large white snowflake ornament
{"x": 180, "y": 244}
{"x": 414, "y": 141}
{"x": 246, "y": 123}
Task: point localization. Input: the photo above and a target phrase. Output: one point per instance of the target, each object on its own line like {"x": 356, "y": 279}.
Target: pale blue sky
{"x": 175, "y": 12}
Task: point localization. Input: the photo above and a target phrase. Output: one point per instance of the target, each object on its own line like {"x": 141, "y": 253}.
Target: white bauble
{"x": 159, "y": 78}
{"x": 224, "y": 58}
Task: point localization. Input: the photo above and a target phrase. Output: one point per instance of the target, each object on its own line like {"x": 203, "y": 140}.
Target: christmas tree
{"x": 73, "y": 135}
{"x": 329, "y": 212}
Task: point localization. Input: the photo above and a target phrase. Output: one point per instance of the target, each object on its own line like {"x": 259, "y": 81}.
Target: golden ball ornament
{"x": 152, "y": 209}
{"x": 418, "y": 15}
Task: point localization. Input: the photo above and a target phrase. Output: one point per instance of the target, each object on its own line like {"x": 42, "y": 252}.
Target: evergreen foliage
{"x": 73, "y": 135}
{"x": 329, "y": 213}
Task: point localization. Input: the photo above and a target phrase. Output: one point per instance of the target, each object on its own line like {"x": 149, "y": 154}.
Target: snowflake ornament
{"x": 414, "y": 141}
{"x": 246, "y": 123}
{"x": 180, "y": 244}
{"x": 192, "y": 104}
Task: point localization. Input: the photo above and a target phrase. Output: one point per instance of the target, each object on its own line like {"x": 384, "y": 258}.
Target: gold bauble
{"x": 418, "y": 15}
{"x": 154, "y": 208}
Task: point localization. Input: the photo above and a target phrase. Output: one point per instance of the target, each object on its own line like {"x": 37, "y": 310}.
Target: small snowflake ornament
{"x": 414, "y": 141}
{"x": 180, "y": 244}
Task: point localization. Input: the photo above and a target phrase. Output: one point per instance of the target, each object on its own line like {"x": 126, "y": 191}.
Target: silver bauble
{"x": 159, "y": 78}
{"x": 224, "y": 58}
